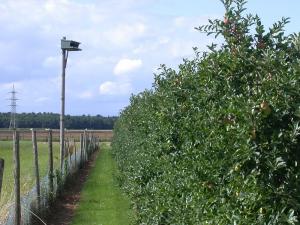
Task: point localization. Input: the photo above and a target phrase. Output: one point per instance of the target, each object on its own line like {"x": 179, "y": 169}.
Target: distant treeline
{"x": 51, "y": 120}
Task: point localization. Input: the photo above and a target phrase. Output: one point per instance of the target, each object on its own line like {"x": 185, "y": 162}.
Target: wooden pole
{"x": 99, "y": 143}
{"x": 16, "y": 153}
{"x": 36, "y": 169}
{"x": 92, "y": 143}
{"x": 66, "y": 158}
{"x": 81, "y": 149}
{"x": 50, "y": 173}
{"x": 85, "y": 146}
{"x": 62, "y": 115}
{"x": 1, "y": 173}
{"x": 75, "y": 154}
{"x": 70, "y": 154}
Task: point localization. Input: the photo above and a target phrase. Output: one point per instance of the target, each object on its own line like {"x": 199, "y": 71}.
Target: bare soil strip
{"x": 62, "y": 211}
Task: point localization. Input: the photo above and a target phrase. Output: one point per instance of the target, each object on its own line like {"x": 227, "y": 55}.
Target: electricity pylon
{"x": 13, "y": 109}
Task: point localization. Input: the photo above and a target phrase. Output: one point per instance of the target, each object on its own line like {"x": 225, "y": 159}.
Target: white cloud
{"x": 52, "y": 61}
{"x": 127, "y": 65}
{"x": 42, "y": 99}
{"x": 93, "y": 61}
{"x": 151, "y": 46}
{"x": 118, "y": 38}
{"x": 115, "y": 88}
{"x": 163, "y": 40}
{"x": 9, "y": 86}
{"x": 124, "y": 34}
{"x": 86, "y": 95}
{"x": 179, "y": 21}
{"x": 179, "y": 48}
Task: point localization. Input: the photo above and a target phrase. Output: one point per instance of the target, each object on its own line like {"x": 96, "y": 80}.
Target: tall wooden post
{"x": 62, "y": 115}
{"x": 1, "y": 173}
{"x": 50, "y": 172}
{"x": 36, "y": 169}
{"x": 16, "y": 152}
{"x": 66, "y": 46}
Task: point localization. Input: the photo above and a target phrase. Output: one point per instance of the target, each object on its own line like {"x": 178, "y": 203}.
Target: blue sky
{"x": 123, "y": 42}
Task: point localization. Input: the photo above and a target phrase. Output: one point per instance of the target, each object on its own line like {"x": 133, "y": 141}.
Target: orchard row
{"x": 217, "y": 142}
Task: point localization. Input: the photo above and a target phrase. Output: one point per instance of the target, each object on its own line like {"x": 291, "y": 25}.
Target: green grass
{"x": 26, "y": 170}
{"x": 102, "y": 202}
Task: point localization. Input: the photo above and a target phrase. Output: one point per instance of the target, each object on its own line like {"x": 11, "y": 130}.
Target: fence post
{"x": 99, "y": 143}
{"x": 81, "y": 150}
{"x": 85, "y": 146}
{"x": 75, "y": 154}
{"x": 36, "y": 169}
{"x": 69, "y": 146}
{"x": 1, "y": 173}
{"x": 50, "y": 173}
{"x": 16, "y": 152}
{"x": 93, "y": 144}
{"x": 88, "y": 147}
{"x": 66, "y": 160}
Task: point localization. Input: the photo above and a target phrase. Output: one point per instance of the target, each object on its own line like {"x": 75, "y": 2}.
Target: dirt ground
{"x": 63, "y": 209}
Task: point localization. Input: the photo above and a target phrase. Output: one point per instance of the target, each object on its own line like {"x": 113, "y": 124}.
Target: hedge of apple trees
{"x": 217, "y": 142}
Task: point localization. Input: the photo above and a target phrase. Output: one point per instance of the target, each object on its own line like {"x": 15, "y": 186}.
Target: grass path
{"x": 102, "y": 202}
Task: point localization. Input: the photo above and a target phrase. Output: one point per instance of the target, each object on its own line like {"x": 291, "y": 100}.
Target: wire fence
{"x": 35, "y": 204}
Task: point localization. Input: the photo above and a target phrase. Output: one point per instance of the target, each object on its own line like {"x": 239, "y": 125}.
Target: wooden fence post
{"x": 99, "y": 143}
{"x": 16, "y": 152}
{"x": 93, "y": 144}
{"x": 75, "y": 154}
{"x": 50, "y": 172}
{"x": 69, "y": 145}
{"x": 1, "y": 173}
{"x": 68, "y": 154}
{"x": 66, "y": 158}
{"x": 88, "y": 146}
{"x": 88, "y": 143}
{"x": 36, "y": 169}
{"x": 85, "y": 146}
{"x": 81, "y": 150}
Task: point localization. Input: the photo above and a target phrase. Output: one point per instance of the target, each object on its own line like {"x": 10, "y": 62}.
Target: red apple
{"x": 226, "y": 20}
